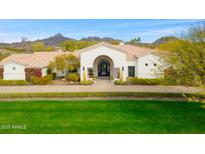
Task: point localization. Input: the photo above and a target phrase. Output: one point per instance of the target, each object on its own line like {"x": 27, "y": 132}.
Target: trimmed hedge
{"x": 102, "y": 94}
{"x": 73, "y": 77}
{"x": 87, "y": 82}
{"x": 156, "y": 81}
{"x": 42, "y": 80}
{"x": 118, "y": 82}
{"x": 13, "y": 82}
{"x": 137, "y": 81}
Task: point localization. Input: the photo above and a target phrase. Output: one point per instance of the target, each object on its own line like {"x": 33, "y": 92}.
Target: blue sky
{"x": 148, "y": 29}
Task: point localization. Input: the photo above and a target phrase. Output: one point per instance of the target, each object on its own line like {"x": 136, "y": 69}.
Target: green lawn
{"x": 102, "y": 116}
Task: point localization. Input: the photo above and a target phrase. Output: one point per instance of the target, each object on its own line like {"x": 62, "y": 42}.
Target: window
{"x": 14, "y": 68}
{"x": 155, "y": 64}
{"x": 131, "y": 71}
{"x": 146, "y": 64}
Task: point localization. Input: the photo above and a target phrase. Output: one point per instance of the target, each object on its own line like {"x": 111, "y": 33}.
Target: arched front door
{"x": 103, "y": 68}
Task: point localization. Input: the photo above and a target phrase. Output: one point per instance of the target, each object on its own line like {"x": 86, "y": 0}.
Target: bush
{"x": 54, "y": 75}
{"x": 111, "y": 77}
{"x": 170, "y": 82}
{"x": 119, "y": 82}
{"x": 42, "y": 80}
{"x": 102, "y": 94}
{"x": 73, "y": 77}
{"x": 87, "y": 82}
{"x": 84, "y": 76}
{"x": 49, "y": 71}
{"x": 12, "y": 82}
{"x": 145, "y": 81}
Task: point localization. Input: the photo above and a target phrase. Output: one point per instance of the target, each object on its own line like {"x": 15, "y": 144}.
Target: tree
{"x": 24, "y": 39}
{"x": 65, "y": 63}
{"x": 38, "y": 46}
{"x": 135, "y": 40}
{"x": 186, "y": 57}
{"x": 196, "y": 33}
{"x": 49, "y": 48}
{"x": 75, "y": 45}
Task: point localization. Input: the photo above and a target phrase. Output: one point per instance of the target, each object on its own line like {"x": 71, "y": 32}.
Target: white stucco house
{"x": 100, "y": 60}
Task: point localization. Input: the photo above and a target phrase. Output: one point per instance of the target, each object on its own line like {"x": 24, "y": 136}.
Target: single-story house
{"x": 100, "y": 60}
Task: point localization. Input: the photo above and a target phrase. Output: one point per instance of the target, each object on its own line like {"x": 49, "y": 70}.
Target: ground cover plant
{"x": 103, "y": 94}
{"x": 102, "y": 116}
{"x": 13, "y": 82}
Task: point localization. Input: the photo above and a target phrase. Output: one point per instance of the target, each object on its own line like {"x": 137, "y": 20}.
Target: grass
{"x": 102, "y": 116}
{"x": 100, "y": 94}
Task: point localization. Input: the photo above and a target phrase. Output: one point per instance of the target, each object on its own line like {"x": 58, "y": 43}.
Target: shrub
{"x": 94, "y": 78}
{"x": 111, "y": 77}
{"x": 73, "y": 77}
{"x": 120, "y": 82}
{"x": 102, "y": 94}
{"x": 145, "y": 81}
{"x": 12, "y": 82}
{"x": 49, "y": 71}
{"x": 120, "y": 75}
{"x": 84, "y": 76}
{"x": 87, "y": 82}
{"x": 54, "y": 75}
{"x": 170, "y": 82}
{"x": 42, "y": 80}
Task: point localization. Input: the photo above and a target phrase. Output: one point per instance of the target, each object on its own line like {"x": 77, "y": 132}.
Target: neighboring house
{"x": 22, "y": 66}
{"x": 100, "y": 60}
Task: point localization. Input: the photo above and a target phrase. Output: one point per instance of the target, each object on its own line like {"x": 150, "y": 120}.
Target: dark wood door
{"x": 103, "y": 68}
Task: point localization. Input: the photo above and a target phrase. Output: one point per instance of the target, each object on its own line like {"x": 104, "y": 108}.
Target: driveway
{"x": 99, "y": 86}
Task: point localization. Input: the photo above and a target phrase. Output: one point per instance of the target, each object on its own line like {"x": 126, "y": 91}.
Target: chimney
{"x": 122, "y": 43}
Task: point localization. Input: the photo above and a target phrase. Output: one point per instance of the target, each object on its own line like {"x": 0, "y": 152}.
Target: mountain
{"x": 164, "y": 40}
{"x": 54, "y": 40}
{"x": 51, "y": 41}
{"x": 98, "y": 39}
{"x": 58, "y": 38}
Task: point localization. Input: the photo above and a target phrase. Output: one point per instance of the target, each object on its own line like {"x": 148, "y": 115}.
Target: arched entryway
{"x": 103, "y": 68}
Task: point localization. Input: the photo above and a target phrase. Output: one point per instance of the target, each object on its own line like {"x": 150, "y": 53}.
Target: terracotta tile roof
{"x": 42, "y": 59}
{"x": 131, "y": 50}
{"x": 37, "y": 59}
{"x": 134, "y": 51}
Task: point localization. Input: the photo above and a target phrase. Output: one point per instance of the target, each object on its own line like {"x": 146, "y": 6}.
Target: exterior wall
{"x": 149, "y": 71}
{"x": 14, "y": 71}
{"x": 44, "y": 71}
{"x": 87, "y": 59}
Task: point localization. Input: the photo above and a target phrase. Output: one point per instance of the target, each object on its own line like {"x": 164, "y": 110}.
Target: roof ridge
{"x": 99, "y": 44}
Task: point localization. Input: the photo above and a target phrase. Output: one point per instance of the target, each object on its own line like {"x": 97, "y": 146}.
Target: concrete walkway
{"x": 99, "y": 86}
